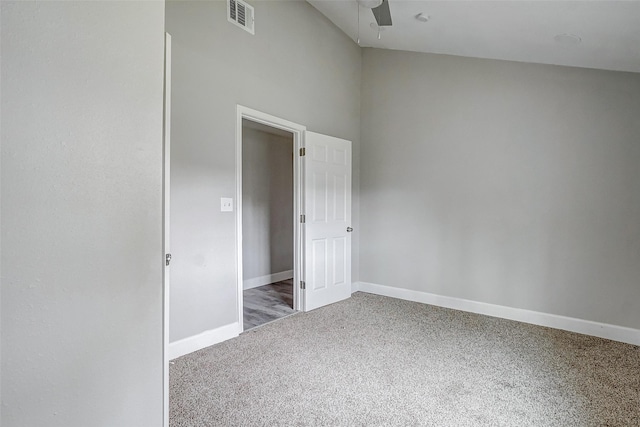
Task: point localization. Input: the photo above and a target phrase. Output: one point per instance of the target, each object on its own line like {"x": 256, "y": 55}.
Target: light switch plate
{"x": 226, "y": 204}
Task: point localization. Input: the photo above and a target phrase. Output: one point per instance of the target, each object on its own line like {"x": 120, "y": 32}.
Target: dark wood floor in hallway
{"x": 267, "y": 303}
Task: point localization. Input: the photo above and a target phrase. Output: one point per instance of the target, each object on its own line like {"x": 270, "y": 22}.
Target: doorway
{"x": 277, "y": 273}
{"x": 267, "y": 223}
{"x": 321, "y": 213}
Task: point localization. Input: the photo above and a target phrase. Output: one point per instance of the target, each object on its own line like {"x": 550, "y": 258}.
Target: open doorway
{"x": 268, "y": 223}
{"x": 321, "y": 219}
{"x": 277, "y": 130}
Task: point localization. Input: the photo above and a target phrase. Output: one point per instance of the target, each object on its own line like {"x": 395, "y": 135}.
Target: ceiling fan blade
{"x": 382, "y": 14}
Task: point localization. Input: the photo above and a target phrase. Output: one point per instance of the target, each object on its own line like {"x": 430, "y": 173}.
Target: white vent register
{"x": 240, "y": 14}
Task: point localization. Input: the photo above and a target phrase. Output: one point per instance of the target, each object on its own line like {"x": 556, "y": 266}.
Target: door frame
{"x": 298, "y": 131}
{"x": 166, "y": 205}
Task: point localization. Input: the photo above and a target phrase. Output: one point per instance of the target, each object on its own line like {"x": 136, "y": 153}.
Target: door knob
{"x": 349, "y": 229}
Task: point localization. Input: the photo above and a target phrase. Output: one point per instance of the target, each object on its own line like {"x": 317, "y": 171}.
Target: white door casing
{"x": 327, "y": 207}
{"x": 166, "y": 196}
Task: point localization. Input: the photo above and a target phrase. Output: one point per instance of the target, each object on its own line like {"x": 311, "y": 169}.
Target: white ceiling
{"x": 514, "y": 30}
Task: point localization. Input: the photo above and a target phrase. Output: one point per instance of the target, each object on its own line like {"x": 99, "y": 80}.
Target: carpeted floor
{"x": 377, "y": 361}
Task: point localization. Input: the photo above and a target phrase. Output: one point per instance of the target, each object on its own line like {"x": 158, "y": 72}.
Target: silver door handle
{"x": 349, "y": 229}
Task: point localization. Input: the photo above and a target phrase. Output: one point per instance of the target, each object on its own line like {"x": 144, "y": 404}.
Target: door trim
{"x": 166, "y": 204}
{"x": 298, "y": 131}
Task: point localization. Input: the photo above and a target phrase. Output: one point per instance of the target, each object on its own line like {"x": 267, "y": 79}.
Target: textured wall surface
{"x": 267, "y": 203}
{"x": 501, "y": 182}
{"x": 81, "y": 109}
{"x": 298, "y": 66}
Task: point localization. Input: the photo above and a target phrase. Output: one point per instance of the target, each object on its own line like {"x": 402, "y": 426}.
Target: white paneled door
{"x": 327, "y": 228}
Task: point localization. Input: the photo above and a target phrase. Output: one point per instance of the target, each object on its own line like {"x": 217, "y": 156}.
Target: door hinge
{"x": 303, "y": 285}
{"x": 303, "y": 219}
{"x": 167, "y": 259}
{"x": 303, "y": 151}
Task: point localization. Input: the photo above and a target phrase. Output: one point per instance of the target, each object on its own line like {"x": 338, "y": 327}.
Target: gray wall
{"x": 81, "y": 213}
{"x": 507, "y": 183}
{"x": 267, "y": 203}
{"x": 298, "y": 66}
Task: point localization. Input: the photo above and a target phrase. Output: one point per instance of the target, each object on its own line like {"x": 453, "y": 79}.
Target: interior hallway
{"x": 267, "y": 303}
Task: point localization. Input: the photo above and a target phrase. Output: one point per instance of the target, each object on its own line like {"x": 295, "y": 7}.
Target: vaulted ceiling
{"x": 591, "y": 34}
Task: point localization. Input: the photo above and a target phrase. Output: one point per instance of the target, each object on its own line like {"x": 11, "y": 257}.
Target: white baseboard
{"x": 587, "y": 327}
{"x": 205, "y": 339}
{"x": 265, "y": 280}
{"x": 355, "y": 287}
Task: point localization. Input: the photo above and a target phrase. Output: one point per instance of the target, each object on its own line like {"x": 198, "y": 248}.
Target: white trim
{"x": 268, "y": 279}
{"x": 355, "y": 287}
{"x": 587, "y": 327}
{"x": 166, "y": 211}
{"x": 205, "y": 339}
{"x": 297, "y": 130}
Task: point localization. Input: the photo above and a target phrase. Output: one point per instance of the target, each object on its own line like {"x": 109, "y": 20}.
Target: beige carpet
{"x": 377, "y": 361}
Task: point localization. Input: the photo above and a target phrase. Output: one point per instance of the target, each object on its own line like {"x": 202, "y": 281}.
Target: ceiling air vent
{"x": 240, "y": 14}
